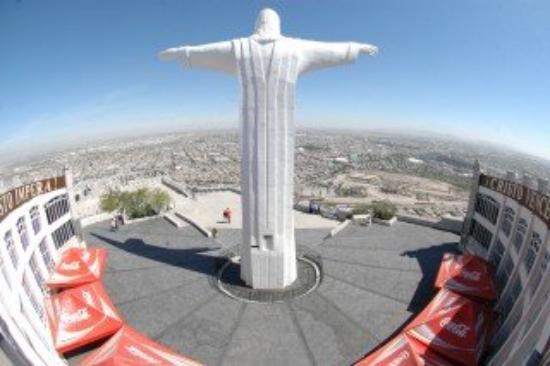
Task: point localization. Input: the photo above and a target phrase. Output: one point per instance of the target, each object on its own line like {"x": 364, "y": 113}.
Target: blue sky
{"x": 77, "y": 69}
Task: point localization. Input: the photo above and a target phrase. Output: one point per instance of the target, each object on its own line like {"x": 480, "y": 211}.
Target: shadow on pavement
{"x": 194, "y": 259}
{"x": 429, "y": 260}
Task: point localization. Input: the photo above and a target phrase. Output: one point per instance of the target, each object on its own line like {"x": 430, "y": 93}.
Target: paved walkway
{"x": 374, "y": 278}
{"x": 207, "y": 210}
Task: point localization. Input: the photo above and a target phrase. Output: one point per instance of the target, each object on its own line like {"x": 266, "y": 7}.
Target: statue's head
{"x": 268, "y": 25}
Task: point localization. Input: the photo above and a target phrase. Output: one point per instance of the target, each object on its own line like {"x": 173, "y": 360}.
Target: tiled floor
{"x": 374, "y": 279}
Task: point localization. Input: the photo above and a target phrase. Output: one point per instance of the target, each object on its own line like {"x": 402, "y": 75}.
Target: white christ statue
{"x": 267, "y": 65}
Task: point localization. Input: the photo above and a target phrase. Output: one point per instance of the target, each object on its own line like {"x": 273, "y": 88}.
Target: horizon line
{"x": 56, "y": 147}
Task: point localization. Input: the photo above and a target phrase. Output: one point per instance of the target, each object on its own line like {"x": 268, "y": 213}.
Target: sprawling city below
{"x": 425, "y": 175}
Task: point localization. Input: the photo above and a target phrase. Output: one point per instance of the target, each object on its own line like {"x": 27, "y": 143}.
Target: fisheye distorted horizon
{"x": 79, "y": 70}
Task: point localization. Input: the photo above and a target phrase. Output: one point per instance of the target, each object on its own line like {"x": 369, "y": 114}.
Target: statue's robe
{"x": 268, "y": 70}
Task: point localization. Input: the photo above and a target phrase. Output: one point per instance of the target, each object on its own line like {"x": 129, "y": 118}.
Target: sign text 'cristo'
{"x": 9, "y": 201}
{"x": 535, "y": 201}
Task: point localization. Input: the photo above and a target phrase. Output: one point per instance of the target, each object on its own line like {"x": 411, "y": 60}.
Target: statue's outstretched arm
{"x": 213, "y": 56}
{"x": 318, "y": 55}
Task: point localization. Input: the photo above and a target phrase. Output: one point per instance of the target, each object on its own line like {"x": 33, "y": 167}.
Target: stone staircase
{"x": 175, "y": 220}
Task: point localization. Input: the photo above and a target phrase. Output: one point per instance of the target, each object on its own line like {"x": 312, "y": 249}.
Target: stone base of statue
{"x": 308, "y": 277}
{"x": 269, "y": 269}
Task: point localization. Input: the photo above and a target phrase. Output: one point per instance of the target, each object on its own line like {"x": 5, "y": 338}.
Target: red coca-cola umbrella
{"x": 80, "y": 316}
{"x": 453, "y": 326}
{"x": 468, "y": 275}
{"x": 78, "y": 266}
{"x": 129, "y": 347}
{"x": 404, "y": 351}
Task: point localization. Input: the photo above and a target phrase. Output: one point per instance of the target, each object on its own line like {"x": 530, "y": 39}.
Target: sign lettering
{"x": 11, "y": 200}
{"x": 535, "y": 201}
{"x": 458, "y": 329}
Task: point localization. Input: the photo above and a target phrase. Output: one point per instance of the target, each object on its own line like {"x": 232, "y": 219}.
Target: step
{"x": 174, "y": 220}
{"x": 198, "y": 226}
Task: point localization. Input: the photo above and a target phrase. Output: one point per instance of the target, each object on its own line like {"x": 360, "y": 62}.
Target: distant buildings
{"x": 507, "y": 222}
{"x": 206, "y": 160}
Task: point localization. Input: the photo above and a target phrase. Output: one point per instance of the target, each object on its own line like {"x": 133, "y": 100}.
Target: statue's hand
{"x": 369, "y": 49}
{"x": 170, "y": 54}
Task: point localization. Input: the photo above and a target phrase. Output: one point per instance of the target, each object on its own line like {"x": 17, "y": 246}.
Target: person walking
{"x": 123, "y": 217}
{"x": 228, "y": 212}
{"x": 114, "y": 223}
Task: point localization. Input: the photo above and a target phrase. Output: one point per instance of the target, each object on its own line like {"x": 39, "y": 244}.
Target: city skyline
{"x": 77, "y": 71}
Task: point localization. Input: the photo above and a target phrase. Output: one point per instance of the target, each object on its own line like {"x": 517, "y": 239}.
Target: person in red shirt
{"x": 227, "y": 215}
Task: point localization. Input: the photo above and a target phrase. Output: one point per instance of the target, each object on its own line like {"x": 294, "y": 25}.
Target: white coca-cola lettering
{"x": 77, "y": 316}
{"x": 458, "y": 329}
{"x": 88, "y": 298}
{"x": 86, "y": 256}
{"x": 403, "y": 356}
{"x": 471, "y": 275}
{"x": 71, "y": 266}
{"x": 140, "y": 354}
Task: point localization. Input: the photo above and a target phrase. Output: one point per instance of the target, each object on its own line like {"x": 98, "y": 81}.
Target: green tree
{"x": 110, "y": 201}
{"x": 361, "y": 209}
{"x": 126, "y": 201}
{"x": 140, "y": 203}
{"x": 384, "y": 210}
{"x": 159, "y": 200}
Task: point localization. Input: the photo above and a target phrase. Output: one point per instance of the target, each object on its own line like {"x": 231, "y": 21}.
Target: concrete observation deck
{"x": 162, "y": 280}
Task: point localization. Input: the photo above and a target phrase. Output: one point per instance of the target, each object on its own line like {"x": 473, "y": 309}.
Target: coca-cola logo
{"x": 87, "y": 296}
{"x": 86, "y": 256}
{"x": 140, "y": 354}
{"x": 403, "y": 356}
{"x": 458, "y": 329}
{"x": 74, "y": 317}
{"x": 471, "y": 275}
{"x": 71, "y": 266}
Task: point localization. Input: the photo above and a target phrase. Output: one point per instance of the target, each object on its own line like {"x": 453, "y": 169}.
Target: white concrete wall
{"x": 26, "y": 327}
{"x": 451, "y": 224}
{"x": 532, "y": 331}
